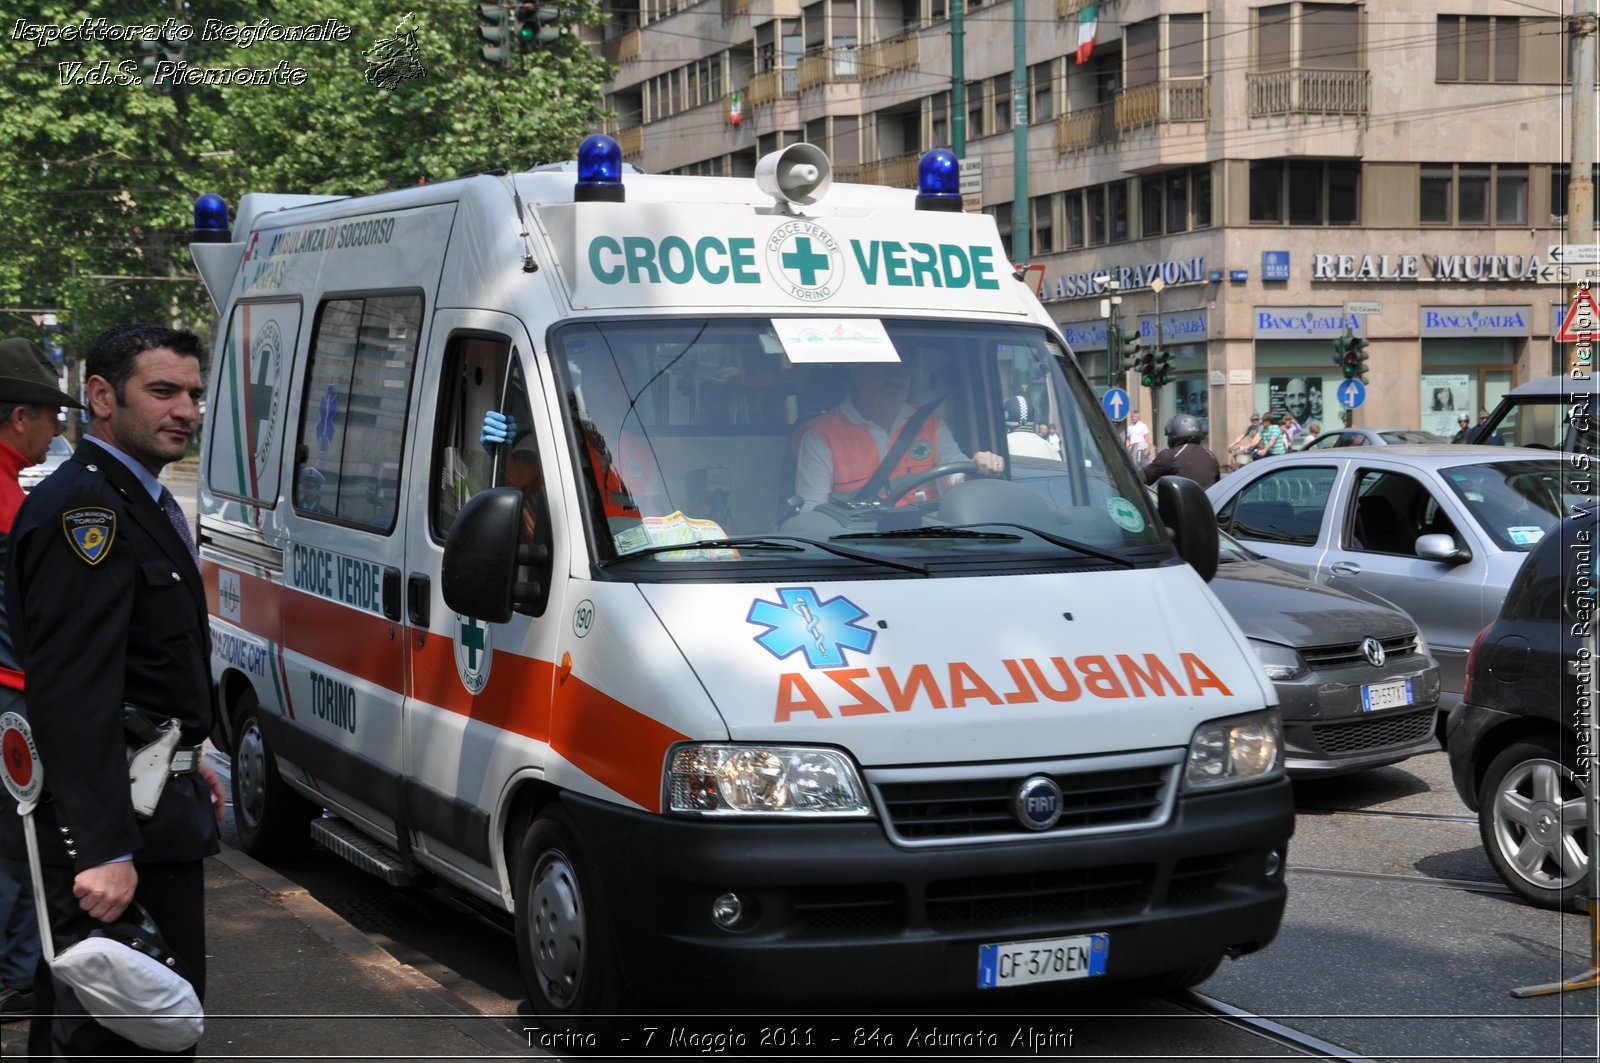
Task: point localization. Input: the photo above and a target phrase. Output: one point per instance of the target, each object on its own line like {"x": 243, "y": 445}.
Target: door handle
{"x": 391, "y": 593}
{"x": 1345, "y": 568}
{"x": 417, "y": 598}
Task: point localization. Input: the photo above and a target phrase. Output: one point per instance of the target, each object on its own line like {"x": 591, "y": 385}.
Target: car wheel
{"x": 565, "y": 940}
{"x": 1534, "y": 820}
{"x": 273, "y": 820}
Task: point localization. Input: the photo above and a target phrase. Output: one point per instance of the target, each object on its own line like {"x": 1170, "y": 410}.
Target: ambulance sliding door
{"x": 479, "y": 707}
{"x": 344, "y": 655}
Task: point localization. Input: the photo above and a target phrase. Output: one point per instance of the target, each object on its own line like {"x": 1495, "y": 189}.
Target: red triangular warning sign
{"x": 1581, "y": 322}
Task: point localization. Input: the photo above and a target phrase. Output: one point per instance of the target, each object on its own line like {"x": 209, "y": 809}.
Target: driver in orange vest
{"x": 839, "y": 450}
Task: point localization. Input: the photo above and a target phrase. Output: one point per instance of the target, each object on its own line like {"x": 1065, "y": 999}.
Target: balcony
{"x": 888, "y": 57}
{"x": 623, "y": 49}
{"x": 1163, "y": 103}
{"x": 631, "y": 141}
{"x": 1307, "y": 91}
{"x": 765, "y": 87}
{"x": 897, "y": 172}
{"x": 1085, "y": 129}
{"x": 828, "y": 67}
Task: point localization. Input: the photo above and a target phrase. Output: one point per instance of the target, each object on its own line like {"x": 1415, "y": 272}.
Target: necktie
{"x": 180, "y": 523}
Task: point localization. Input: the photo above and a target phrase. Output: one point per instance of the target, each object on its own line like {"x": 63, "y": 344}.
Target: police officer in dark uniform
{"x": 109, "y": 616}
{"x": 1184, "y": 455}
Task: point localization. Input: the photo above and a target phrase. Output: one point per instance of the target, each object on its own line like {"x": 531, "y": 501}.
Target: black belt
{"x": 185, "y": 759}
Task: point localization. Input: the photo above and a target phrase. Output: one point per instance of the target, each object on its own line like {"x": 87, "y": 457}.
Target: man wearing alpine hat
{"x": 30, "y": 408}
{"x": 109, "y": 617}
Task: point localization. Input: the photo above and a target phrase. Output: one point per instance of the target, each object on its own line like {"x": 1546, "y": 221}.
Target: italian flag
{"x": 1088, "y": 20}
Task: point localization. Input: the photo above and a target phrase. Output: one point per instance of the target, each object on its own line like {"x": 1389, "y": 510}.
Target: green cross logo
{"x": 805, "y": 260}
{"x": 473, "y": 653}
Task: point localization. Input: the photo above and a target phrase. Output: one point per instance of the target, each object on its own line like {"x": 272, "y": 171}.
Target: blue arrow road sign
{"x": 1115, "y": 403}
{"x": 1352, "y": 394}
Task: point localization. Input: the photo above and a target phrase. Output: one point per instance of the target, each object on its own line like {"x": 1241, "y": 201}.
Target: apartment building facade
{"x": 1232, "y": 175}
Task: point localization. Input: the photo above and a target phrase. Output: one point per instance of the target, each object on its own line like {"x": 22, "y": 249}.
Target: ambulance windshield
{"x": 909, "y": 441}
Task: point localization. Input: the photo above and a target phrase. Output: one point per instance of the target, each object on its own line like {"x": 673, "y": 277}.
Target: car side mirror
{"x": 1187, "y": 513}
{"x": 479, "y": 573}
{"x": 1441, "y": 547}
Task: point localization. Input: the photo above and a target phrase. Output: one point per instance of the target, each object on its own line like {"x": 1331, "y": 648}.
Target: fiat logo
{"x": 1038, "y": 803}
{"x": 1373, "y": 649}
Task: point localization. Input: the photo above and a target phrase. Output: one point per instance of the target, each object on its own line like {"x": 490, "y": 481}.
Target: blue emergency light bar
{"x": 599, "y": 171}
{"x": 211, "y": 224}
{"x": 939, "y": 181}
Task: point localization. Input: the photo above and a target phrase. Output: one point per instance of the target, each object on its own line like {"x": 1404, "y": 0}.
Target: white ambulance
{"x": 762, "y": 646}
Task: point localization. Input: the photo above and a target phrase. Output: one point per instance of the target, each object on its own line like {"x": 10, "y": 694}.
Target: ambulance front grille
{"x": 995, "y": 900}
{"x": 971, "y": 808}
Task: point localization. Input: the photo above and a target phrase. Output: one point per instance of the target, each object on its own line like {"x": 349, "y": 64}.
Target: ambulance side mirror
{"x": 1187, "y": 513}
{"x": 479, "y": 572}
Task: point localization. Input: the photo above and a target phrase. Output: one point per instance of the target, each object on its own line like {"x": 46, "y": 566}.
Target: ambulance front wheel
{"x": 273, "y": 821}
{"x": 565, "y": 940}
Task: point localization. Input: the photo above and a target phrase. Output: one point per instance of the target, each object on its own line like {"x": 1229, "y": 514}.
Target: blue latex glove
{"x": 497, "y": 428}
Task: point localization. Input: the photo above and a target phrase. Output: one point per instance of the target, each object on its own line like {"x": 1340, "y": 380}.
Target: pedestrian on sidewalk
{"x": 1138, "y": 440}
{"x": 30, "y": 416}
{"x": 107, "y": 611}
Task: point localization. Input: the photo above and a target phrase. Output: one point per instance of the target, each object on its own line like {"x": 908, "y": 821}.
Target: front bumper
{"x": 838, "y": 912}
{"x": 1326, "y": 731}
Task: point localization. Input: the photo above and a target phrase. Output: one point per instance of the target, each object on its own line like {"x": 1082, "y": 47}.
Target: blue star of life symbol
{"x": 327, "y": 409}
{"x": 823, "y": 631}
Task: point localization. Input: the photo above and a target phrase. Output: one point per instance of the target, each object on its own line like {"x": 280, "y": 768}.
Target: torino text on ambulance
{"x": 653, "y": 559}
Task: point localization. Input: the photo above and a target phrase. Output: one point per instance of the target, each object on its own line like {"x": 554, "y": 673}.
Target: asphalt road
{"x": 1399, "y": 943}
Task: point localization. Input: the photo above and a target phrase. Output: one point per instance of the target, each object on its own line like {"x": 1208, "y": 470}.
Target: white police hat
{"x": 129, "y": 981}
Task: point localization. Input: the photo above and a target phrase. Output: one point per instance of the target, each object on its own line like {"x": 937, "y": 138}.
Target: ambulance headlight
{"x": 599, "y": 170}
{"x": 740, "y": 780}
{"x": 939, "y": 181}
{"x": 1239, "y": 749}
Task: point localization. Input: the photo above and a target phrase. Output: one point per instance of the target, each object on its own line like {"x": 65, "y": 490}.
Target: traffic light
{"x": 158, "y": 75}
{"x": 536, "y": 25}
{"x": 1147, "y": 369}
{"x": 1350, "y": 355}
{"x": 494, "y": 30}
{"x": 1128, "y": 346}
{"x": 1163, "y": 367}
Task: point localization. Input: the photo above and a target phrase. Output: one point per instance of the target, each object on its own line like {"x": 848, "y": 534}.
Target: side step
{"x": 343, "y": 840}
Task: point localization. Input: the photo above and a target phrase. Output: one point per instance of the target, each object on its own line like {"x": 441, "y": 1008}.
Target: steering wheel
{"x": 902, "y": 484}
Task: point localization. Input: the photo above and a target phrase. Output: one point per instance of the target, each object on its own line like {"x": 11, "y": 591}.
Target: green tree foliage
{"x": 99, "y": 171}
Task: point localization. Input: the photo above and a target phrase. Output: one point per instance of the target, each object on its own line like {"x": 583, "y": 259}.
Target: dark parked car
{"x": 1353, "y": 676}
{"x": 1514, "y": 739}
{"x": 1552, "y": 413}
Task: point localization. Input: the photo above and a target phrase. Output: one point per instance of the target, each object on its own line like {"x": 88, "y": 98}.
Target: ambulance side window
{"x": 353, "y": 421}
{"x": 474, "y": 369}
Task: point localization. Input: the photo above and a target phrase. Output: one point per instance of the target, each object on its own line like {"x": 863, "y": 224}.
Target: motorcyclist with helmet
{"x": 1184, "y": 456}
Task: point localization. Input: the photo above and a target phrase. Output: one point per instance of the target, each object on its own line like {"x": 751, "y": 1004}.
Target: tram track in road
{"x": 1268, "y": 1029}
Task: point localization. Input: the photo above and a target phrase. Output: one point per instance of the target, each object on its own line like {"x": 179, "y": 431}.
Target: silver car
{"x": 31, "y": 477}
{"x": 1354, "y": 679}
{"x": 1370, "y": 437}
{"x": 1438, "y": 530}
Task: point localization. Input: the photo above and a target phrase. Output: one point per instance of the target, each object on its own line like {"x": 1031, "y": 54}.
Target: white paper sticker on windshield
{"x": 1525, "y": 536}
{"x": 812, "y": 341}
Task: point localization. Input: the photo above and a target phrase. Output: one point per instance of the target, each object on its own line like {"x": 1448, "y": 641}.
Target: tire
{"x": 1533, "y": 818}
{"x": 273, "y": 821}
{"x": 566, "y": 942}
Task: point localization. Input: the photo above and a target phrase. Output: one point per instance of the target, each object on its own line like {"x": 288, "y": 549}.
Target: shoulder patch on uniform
{"x": 90, "y": 530}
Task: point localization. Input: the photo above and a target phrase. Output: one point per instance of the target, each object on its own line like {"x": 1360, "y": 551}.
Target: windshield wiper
{"x": 1063, "y": 541}
{"x": 769, "y": 542}
{"x": 951, "y": 532}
